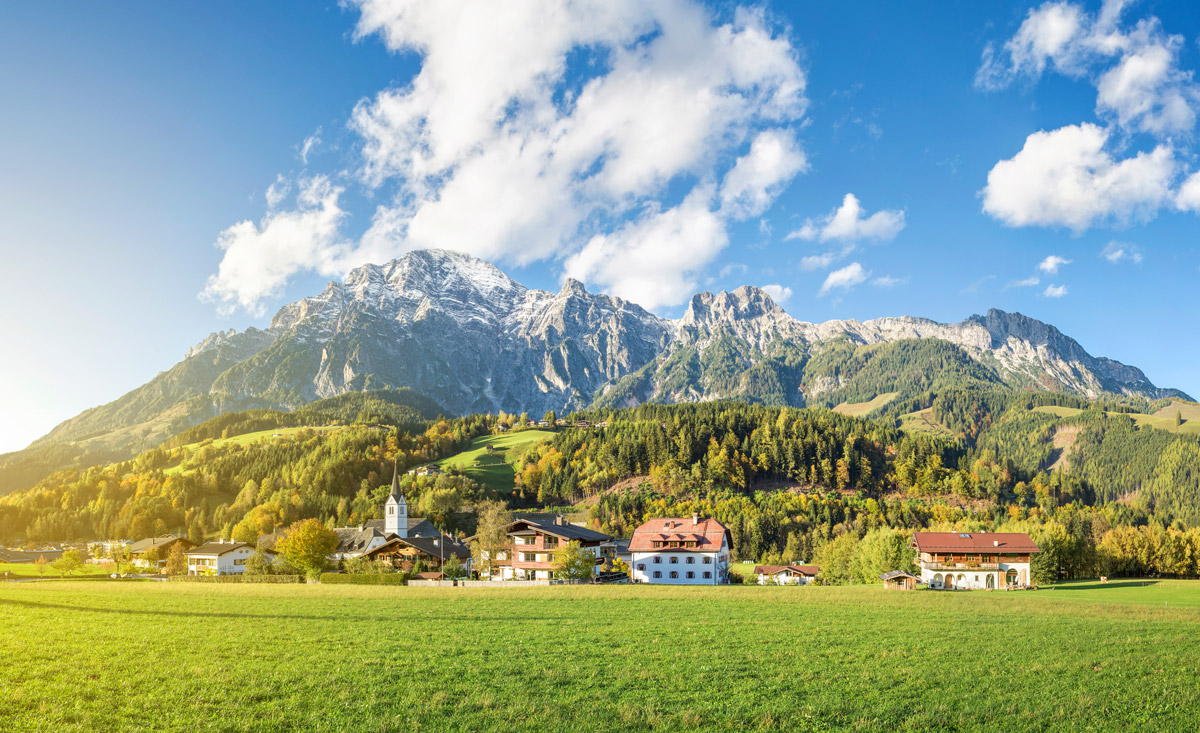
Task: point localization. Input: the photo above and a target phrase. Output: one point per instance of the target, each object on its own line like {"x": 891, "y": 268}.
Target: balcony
{"x": 961, "y": 567}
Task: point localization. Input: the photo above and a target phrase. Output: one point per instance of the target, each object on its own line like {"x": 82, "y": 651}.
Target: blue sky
{"x": 648, "y": 149}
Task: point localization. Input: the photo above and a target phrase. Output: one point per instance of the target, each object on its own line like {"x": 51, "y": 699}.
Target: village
{"x": 532, "y": 549}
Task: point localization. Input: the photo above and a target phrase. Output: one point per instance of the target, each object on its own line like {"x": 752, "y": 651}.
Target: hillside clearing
{"x": 858, "y": 409}
{"x": 259, "y": 658}
{"x": 924, "y": 422}
{"x": 493, "y": 468}
{"x": 247, "y": 438}
{"x": 1158, "y": 420}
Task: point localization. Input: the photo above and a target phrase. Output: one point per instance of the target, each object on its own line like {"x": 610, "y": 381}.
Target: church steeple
{"x": 395, "y": 510}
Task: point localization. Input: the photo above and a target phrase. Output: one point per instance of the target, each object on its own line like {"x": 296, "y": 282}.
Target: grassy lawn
{"x": 29, "y": 570}
{"x": 494, "y": 470}
{"x": 183, "y": 657}
{"x": 858, "y": 409}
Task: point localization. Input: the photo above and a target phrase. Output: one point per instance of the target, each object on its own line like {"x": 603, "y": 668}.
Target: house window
{"x": 691, "y": 560}
{"x": 674, "y": 560}
{"x": 657, "y": 559}
{"x": 707, "y": 574}
{"x": 549, "y": 542}
{"x": 708, "y": 561}
{"x": 674, "y": 573}
{"x": 391, "y": 510}
{"x": 690, "y": 574}
{"x": 240, "y": 561}
{"x": 658, "y": 573}
{"x": 641, "y": 566}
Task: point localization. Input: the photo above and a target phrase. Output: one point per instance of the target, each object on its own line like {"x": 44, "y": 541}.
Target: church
{"x": 356, "y": 541}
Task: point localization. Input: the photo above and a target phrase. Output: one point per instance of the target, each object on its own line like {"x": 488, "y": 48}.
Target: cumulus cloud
{"x": 1135, "y": 68}
{"x": 1055, "y": 291}
{"x": 779, "y": 293}
{"x": 1188, "y": 197}
{"x": 259, "y": 258}
{"x": 1065, "y": 177}
{"x": 847, "y": 223}
{"x": 845, "y": 278}
{"x": 277, "y": 191}
{"x": 574, "y": 131}
{"x": 754, "y": 181}
{"x": 1118, "y": 252}
{"x": 1051, "y": 264}
{"x": 653, "y": 260}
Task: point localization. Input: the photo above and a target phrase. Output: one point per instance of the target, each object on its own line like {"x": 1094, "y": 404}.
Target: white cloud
{"x": 1051, "y": 264}
{"x": 1065, "y": 178}
{"x": 310, "y": 143}
{"x": 1139, "y": 83}
{"x": 887, "y": 281}
{"x": 277, "y": 191}
{"x": 823, "y": 260}
{"x": 845, "y": 278}
{"x": 755, "y": 179}
{"x": 1028, "y": 282}
{"x": 733, "y": 268}
{"x": 653, "y": 261}
{"x": 259, "y": 258}
{"x": 1118, "y": 252}
{"x": 1188, "y": 198}
{"x": 561, "y": 129}
{"x": 847, "y": 223}
{"x": 1055, "y": 291}
{"x": 779, "y": 293}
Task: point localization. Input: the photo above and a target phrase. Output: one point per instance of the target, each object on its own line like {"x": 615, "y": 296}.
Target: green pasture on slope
{"x": 1159, "y": 420}
{"x": 492, "y": 468}
{"x": 859, "y": 409}
{"x": 89, "y": 656}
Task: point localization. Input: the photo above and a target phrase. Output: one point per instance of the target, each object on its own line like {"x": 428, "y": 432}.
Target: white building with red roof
{"x": 680, "y": 551}
{"x": 974, "y": 560}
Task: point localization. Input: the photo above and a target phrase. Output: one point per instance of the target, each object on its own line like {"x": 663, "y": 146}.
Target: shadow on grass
{"x": 273, "y": 616}
{"x": 1110, "y": 585}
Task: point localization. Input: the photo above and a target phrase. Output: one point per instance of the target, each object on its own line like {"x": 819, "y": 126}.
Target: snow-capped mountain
{"x": 463, "y": 333}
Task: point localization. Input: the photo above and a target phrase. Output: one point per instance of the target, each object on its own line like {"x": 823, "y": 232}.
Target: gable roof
{"x": 708, "y": 534}
{"x": 426, "y": 546}
{"x": 894, "y": 574}
{"x": 357, "y": 539}
{"x": 981, "y": 542}
{"x": 809, "y": 571}
{"x": 554, "y": 524}
{"x": 218, "y": 548}
{"x": 160, "y": 542}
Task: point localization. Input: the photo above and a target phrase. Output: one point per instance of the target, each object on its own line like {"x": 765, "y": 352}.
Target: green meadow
{"x": 90, "y": 656}
{"x": 493, "y": 468}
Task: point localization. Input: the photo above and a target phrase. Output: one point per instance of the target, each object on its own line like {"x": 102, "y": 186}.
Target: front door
{"x": 949, "y": 582}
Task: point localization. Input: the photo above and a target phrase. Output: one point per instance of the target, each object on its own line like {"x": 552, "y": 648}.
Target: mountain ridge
{"x": 462, "y": 332}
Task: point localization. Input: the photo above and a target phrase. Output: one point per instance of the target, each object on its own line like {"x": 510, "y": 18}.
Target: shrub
{"x": 365, "y": 579}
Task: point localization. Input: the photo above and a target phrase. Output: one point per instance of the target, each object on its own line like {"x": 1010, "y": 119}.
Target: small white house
{"x": 786, "y": 574}
{"x": 679, "y": 551}
{"x": 223, "y": 557}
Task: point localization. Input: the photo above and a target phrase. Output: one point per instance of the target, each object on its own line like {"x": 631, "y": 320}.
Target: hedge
{"x": 238, "y": 578}
{"x": 364, "y": 578}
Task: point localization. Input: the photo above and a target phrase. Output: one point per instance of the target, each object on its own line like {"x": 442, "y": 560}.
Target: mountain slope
{"x": 461, "y": 332}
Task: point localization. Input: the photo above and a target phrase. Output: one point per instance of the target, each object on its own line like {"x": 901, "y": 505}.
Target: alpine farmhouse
{"x": 679, "y": 551}
{"x": 974, "y": 560}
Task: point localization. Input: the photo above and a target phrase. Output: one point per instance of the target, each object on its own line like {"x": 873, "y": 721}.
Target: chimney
{"x": 995, "y": 543}
{"x": 695, "y": 518}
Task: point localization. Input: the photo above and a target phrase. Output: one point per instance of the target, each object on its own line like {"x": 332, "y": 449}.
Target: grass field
{"x": 493, "y": 470}
{"x": 1163, "y": 419}
{"x": 29, "y": 570}
{"x": 182, "y": 657}
{"x": 858, "y": 409}
{"x": 924, "y": 422}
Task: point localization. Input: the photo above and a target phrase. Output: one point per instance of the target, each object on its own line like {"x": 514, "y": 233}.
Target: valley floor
{"x": 142, "y": 655}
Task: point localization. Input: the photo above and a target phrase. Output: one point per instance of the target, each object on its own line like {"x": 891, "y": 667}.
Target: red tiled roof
{"x": 706, "y": 533}
{"x": 809, "y": 570}
{"x": 982, "y": 542}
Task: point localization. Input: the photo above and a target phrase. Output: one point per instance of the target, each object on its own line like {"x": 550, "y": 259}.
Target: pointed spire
{"x": 396, "y": 481}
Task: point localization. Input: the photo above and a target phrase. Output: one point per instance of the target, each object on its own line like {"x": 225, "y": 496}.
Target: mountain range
{"x": 464, "y": 334}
